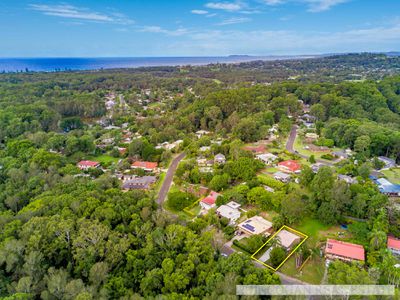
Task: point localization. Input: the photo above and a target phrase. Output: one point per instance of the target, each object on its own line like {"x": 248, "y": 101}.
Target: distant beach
{"x": 75, "y": 64}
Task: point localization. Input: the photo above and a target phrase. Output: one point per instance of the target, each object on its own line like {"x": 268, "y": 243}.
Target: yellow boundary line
{"x": 291, "y": 252}
{"x": 188, "y": 208}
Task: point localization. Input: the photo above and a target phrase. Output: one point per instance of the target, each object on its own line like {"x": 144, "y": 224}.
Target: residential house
{"x": 220, "y": 159}
{"x": 311, "y": 136}
{"x": 205, "y": 148}
{"x": 87, "y": 164}
{"x": 347, "y": 179}
{"x": 315, "y": 148}
{"x": 388, "y": 188}
{"x": 282, "y": 177}
{"x": 145, "y": 165}
{"x": 196, "y": 190}
{"x": 289, "y": 166}
{"x": 308, "y": 125}
{"x": 204, "y": 162}
{"x": 389, "y": 163}
{"x": 267, "y": 158}
{"x": 308, "y": 118}
{"x": 269, "y": 189}
{"x": 111, "y": 127}
{"x": 341, "y": 154}
{"x": 256, "y": 225}
{"x": 209, "y": 201}
{"x": 315, "y": 167}
{"x": 110, "y": 104}
{"x": 122, "y": 150}
{"x": 139, "y": 183}
{"x": 169, "y": 146}
{"x": 287, "y": 239}
{"x": 344, "y": 251}
{"x": 255, "y": 149}
{"x": 229, "y": 211}
{"x": 393, "y": 244}
{"x": 200, "y": 133}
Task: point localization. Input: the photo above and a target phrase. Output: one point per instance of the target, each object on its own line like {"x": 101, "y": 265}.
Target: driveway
{"x": 162, "y": 194}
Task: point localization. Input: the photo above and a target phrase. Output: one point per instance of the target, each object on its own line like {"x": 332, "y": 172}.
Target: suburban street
{"x": 290, "y": 148}
{"x": 162, "y": 194}
{"x": 290, "y": 142}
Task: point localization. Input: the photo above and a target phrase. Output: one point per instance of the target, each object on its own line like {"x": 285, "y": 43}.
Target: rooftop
{"x": 287, "y": 238}
{"x": 211, "y": 198}
{"x": 281, "y": 175}
{"x": 145, "y": 164}
{"x": 344, "y": 249}
{"x": 88, "y": 163}
{"x": 292, "y": 165}
{"x": 256, "y": 225}
{"x": 393, "y": 243}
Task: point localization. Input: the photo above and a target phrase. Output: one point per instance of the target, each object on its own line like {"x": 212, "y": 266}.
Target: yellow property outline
{"x": 291, "y": 252}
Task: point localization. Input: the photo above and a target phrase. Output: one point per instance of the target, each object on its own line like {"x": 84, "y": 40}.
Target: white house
{"x": 282, "y": 176}
{"x": 267, "y": 158}
{"x": 229, "y": 211}
{"x": 220, "y": 159}
{"x": 256, "y": 225}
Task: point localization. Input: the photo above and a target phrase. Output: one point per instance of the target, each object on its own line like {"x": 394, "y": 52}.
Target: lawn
{"x": 105, "y": 159}
{"x": 195, "y": 210}
{"x": 312, "y": 272}
{"x": 299, "y": 146}
{"x": 313, "y": 228}
{"x": 270, "y": 170}
{"x": 392, "y": 175}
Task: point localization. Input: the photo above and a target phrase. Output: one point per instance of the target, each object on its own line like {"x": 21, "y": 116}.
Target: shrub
{"x": 327, "y": 156}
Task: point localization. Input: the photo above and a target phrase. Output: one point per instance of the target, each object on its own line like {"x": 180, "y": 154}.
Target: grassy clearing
{"x": 270, "y": 170}
{"x": 299, "y": 146}
{"x": 392, "y": 175}
{"x": 105, "y": 159}
{"x": 312, "y": 272}
{"x": 313, "y": 228}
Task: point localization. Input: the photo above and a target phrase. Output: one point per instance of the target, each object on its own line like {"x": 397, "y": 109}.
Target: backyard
{"x": 299, "y": 146}
{"x": 312, "y": 272}
{"x": 104, "y": 159}
{"x": 393, "y": 175}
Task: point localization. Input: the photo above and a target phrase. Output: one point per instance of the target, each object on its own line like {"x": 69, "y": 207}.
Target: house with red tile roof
{"x": 255, "y": 149}
{"x": 393, "y": 245}
{"x": 87, "y": 164}
{"x": 145, "y": 165}
{"x": 209, "y": 201}
{"x": 289, "y": 166}
{"x": 344, "y": 251}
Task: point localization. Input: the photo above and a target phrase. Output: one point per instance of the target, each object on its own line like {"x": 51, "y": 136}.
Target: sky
{"x": 132, "y": 28}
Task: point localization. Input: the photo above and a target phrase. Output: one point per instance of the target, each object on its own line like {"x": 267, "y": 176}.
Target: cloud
{"x": 228, "y": 6}
{"x": 313, "y": 5}
{"x": 199, "y": 12}
{"x": 286, "y": 42}
{"x": 234, "y": 21}
{"x": 323, "y": 5}
{"x": 82, "y": 14}
{"x": 273, "y": 2}
{"x": 158, "y": 29}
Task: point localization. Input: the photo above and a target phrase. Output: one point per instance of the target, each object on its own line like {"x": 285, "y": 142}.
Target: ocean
{"x": 67, "y": 64}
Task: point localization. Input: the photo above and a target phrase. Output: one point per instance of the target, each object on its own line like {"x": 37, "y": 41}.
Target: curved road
{"x": 290, "y": 143}
{"x": 162, "y": 194}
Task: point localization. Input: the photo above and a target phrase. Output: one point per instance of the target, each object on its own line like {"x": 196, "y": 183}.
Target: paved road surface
{"x": 290, "y": 142}
{"x": 289, "y": 147}
{"x": 162, "y": 194}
